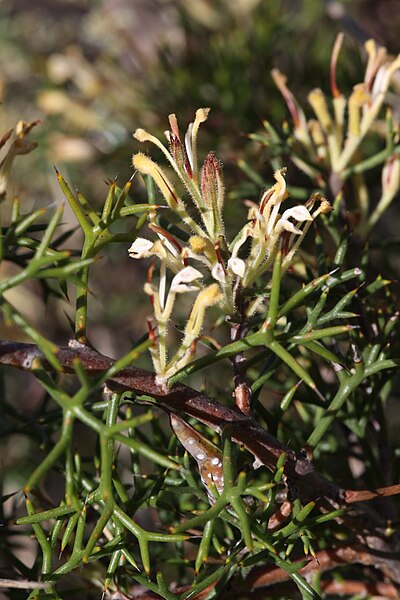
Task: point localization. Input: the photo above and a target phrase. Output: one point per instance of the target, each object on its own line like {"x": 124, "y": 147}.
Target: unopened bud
{"x": 359, "y": 97}
{"x": 212, "y": 187}
{"x": 173, "y": 122}
{"x": 316, "y": 132}
{"x": 177, "y": 151}
{"x": 318, "y": 102}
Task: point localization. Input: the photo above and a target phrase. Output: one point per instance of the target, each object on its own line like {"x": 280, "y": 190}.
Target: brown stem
{"x": 325, "y": 560}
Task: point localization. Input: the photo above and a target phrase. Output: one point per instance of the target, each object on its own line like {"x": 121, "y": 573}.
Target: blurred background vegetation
{"x": 94, "y": 71}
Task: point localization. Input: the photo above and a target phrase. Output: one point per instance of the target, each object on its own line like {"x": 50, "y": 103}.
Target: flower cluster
{"x": 331, "y": 141}
{"x": 330, "y": 137}
{"x": 223, "y": 269}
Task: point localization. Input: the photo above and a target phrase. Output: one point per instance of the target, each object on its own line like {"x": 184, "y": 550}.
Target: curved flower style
{"x": 231, "y": 266}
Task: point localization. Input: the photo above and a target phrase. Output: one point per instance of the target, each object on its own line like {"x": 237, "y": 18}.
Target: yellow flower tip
{"x": 316, "y": 132}
{"x": 316, "y": 95}
{"x": 280, "y": 173}
{"x": 211, "y": 295}
{"x": 141, "y": 135}
{"x": 279, "y": 78}
{"x": 143, "y": 163}
{"x": 318, "y": 102}
{"x": 325, "y": 207}
{"x": 359, "y": 95}
{"x": 197, "y": 244}
{"x": 279, "y": 177}
{"x": 370, "y": 47}
{"x": 280, "y": 186}
{"x": 202, "y": 114}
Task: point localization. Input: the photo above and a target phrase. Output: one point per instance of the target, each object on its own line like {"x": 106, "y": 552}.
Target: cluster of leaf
{"x": 145, "y": 516}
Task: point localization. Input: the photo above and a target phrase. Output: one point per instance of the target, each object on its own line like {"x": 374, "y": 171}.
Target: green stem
{"x": 348, "y": 385}
{"x": 55, "y": 452}
{"x": 106, "y": 484}
{"x": 82, "y": 294}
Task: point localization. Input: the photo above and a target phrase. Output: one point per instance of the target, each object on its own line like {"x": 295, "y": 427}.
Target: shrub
{"x": 299, "y": 343}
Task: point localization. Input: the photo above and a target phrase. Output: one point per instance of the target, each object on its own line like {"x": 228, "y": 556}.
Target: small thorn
{"x": 320, "y": 396}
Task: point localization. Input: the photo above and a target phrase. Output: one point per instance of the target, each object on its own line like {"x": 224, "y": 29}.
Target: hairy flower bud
{"x": 212, "y": 187}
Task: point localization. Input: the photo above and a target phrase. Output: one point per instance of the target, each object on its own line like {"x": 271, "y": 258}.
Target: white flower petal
{"x": 285, "y": 224}
{"x": 182, "y": 288}
{"x": 299, "y": 213}
{"x": 185, "y": 276}
{"x": 140, "y": 248}
{"x": 188, "y": 144}
{"x": 380, "y": 81}
{"x": 237, "y": 266}
{"x": 218, "y": 273}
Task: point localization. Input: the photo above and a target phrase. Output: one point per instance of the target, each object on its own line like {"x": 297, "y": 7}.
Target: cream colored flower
{"x": 179, "y": 284}
{"x": 218, "y": 273}
{"x": 299, "y": 213}
{"x": 141, "y": 248}
{"x": 237, "y": 266}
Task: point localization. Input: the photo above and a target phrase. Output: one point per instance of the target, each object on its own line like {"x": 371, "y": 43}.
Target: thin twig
{"x": 23, "y": 584}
